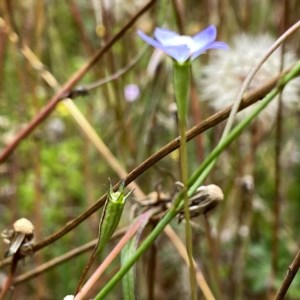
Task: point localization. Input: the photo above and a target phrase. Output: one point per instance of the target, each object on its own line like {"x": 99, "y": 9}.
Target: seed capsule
{"x": 205, "y": 199}
{"x": 111, "y": 214}
{"x": 22, "y": 234}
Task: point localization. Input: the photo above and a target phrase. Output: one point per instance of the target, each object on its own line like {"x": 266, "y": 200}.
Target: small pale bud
{"x": 215, "y": 193}
{"x": 23, "y": 226}
{"x": 205, "y": 199}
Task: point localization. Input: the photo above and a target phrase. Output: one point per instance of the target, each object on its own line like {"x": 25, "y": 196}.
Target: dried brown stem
{"x": 208, "y": 295}
{"x": 291, "y": 273}
{"x": 278, "y": 172}
{"x": 133, "y": 229}
{"x": 62, "y": 259}
{"x": 9, "y": 280}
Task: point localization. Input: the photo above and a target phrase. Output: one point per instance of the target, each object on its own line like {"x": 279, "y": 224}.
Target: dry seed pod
{"x": 205, "y": 199}
{"x": 23, "y": 226}
{"x": 22, "y": 234}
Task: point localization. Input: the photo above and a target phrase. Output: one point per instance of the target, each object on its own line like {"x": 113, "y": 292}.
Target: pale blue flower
{"x": 131, "y": 92}
{"x": 183, "y": 47}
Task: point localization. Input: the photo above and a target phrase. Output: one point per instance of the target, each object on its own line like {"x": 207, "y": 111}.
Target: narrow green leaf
{"x": 128, "y": 281}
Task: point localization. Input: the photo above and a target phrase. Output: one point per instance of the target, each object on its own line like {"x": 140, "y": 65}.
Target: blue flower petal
{"x": 181, "y": 48}
{"x": 148, "y": 39}
{"x": 213, "y": 45}
{"x": 205, "y": 37}
{"x": 198, "y": 53}
{"x": 218, "y": 45}
{"x": 180, "y": 53}
{"x": 164, "y": 35}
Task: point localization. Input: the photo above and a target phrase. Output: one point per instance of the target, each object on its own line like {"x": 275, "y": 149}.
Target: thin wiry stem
{"x": 251, "y": 75}
{"x": 277, "y": 182}
{"x": 181, "y": 83}
{"x": 188, "y": 228}
{"x": 142, "y": 219}
{"x": 182, "y": 251}
{"x": 61, "y": 259}
{"x": 289, "y": 277}
{"x": 85, "y": 89}
{"x": 9, "y": 280}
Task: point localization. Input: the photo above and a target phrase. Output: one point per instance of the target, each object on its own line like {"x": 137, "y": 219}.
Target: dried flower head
{"x": 23, "y": 226}
{"x": 224, "y": 75}
{"x": 21, "y": 236}
{"x": 206, "y": 198}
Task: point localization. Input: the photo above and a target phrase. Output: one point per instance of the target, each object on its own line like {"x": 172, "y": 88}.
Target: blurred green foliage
{"x": 56, "y": 173}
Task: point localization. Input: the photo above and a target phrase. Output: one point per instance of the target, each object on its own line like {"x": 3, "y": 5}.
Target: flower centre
{"x": 182, "y": 40}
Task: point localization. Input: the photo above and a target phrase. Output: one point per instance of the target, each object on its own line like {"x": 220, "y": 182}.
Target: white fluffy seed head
{"x": 222, "y": 78}
{"x": 69, "y": 297}
{"x": 120, "y": 8}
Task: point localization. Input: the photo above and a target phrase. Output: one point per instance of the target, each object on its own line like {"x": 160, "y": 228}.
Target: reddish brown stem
{"x": 9, "y": 280}
{"x": 141, "y": 221}
{"x": 291, "y": 273}
{"x": 278, "y": 174}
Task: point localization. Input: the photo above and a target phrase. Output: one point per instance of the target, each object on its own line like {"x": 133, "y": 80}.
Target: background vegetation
{"x": 245, "y": 246}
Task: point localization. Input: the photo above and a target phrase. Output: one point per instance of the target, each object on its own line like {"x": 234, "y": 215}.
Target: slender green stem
{"x": 182, "y": 81}
{"x": 188, "y": 229}
{"x": 194, "y": 182}
{"x": 140, "y": 251}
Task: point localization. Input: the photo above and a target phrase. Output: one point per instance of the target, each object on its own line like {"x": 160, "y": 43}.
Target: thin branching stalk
{"x": 62, "y": 259}
{"x": 278, "y": 169}
{"x": 9, "y": 279}
{"x": 251, "y": 75}
{"x": 188, "y": 228}
{"x": 289, "y": 277}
